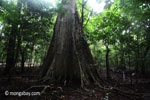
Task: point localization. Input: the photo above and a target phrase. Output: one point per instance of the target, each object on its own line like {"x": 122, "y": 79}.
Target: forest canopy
{"x": 118, "y": 36}
{"x": 75, "y": 49}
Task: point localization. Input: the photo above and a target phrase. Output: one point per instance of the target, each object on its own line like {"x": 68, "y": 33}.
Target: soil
{"x": 132, "y": 88}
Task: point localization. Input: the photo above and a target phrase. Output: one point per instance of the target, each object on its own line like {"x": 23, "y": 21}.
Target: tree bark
{"x": 107, "y": 62}
{"x": 69, "y": 59}
{"x": 18, "y": 48}
{"x": 143, "y": 66}
{"x": 122, "y": 59}
{"x": 22, "y": 61}
{"x": 137, "y": 53}
{"x": 10, "y": 61}
{"x": 19, "y": 34}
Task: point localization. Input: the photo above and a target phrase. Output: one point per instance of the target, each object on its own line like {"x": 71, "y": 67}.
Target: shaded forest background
{"x": 118, "y": 37}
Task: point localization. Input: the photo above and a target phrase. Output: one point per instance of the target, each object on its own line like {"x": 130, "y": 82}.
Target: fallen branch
{"x": 38, "y": 86}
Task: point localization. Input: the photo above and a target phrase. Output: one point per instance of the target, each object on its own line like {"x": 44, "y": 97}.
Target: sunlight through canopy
{"x": 97, "y": 7}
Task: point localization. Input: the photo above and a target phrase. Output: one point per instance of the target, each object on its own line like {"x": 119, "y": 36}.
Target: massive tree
{"x": 69, "y": 60}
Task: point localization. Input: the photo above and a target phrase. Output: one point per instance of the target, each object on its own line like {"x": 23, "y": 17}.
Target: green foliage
{"x": 124, "y": 26}
{"x": 35, "y": 24}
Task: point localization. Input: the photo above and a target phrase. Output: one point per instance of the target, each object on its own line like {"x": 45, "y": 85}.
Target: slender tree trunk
{"x": 19, "y": 36}
{"x": 116, "y": 57}
{"x": 69, "y": 59}
{"x": 22, "y": 61}
{"x": 30, "y": 60}
{"x": 137, "y": 55}
{"x": 122, "y": 60}
{"x": 10, "y": 61}
{"x": 107, "y": 62}
{"x": 143, "y": 66}
{"x": 18, "y": 48}
{"x": 146, "y": 51}
{"x": 129, "y": 62}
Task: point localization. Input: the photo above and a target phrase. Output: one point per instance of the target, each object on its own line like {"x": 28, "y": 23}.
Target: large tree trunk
{"x": 69, "y": 59}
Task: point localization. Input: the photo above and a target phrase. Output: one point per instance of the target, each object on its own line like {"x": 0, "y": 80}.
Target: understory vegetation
{"x": 70, "y": 42}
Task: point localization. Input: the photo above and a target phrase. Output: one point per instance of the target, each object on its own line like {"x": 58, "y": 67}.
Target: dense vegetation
{"x": 118, "y": 37}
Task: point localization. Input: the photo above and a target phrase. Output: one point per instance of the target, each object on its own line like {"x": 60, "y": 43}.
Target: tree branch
{"x": 88, "y": 18}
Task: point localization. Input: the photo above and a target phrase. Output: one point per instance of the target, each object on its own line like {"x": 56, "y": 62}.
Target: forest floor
{"x": 25, "y": 86}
